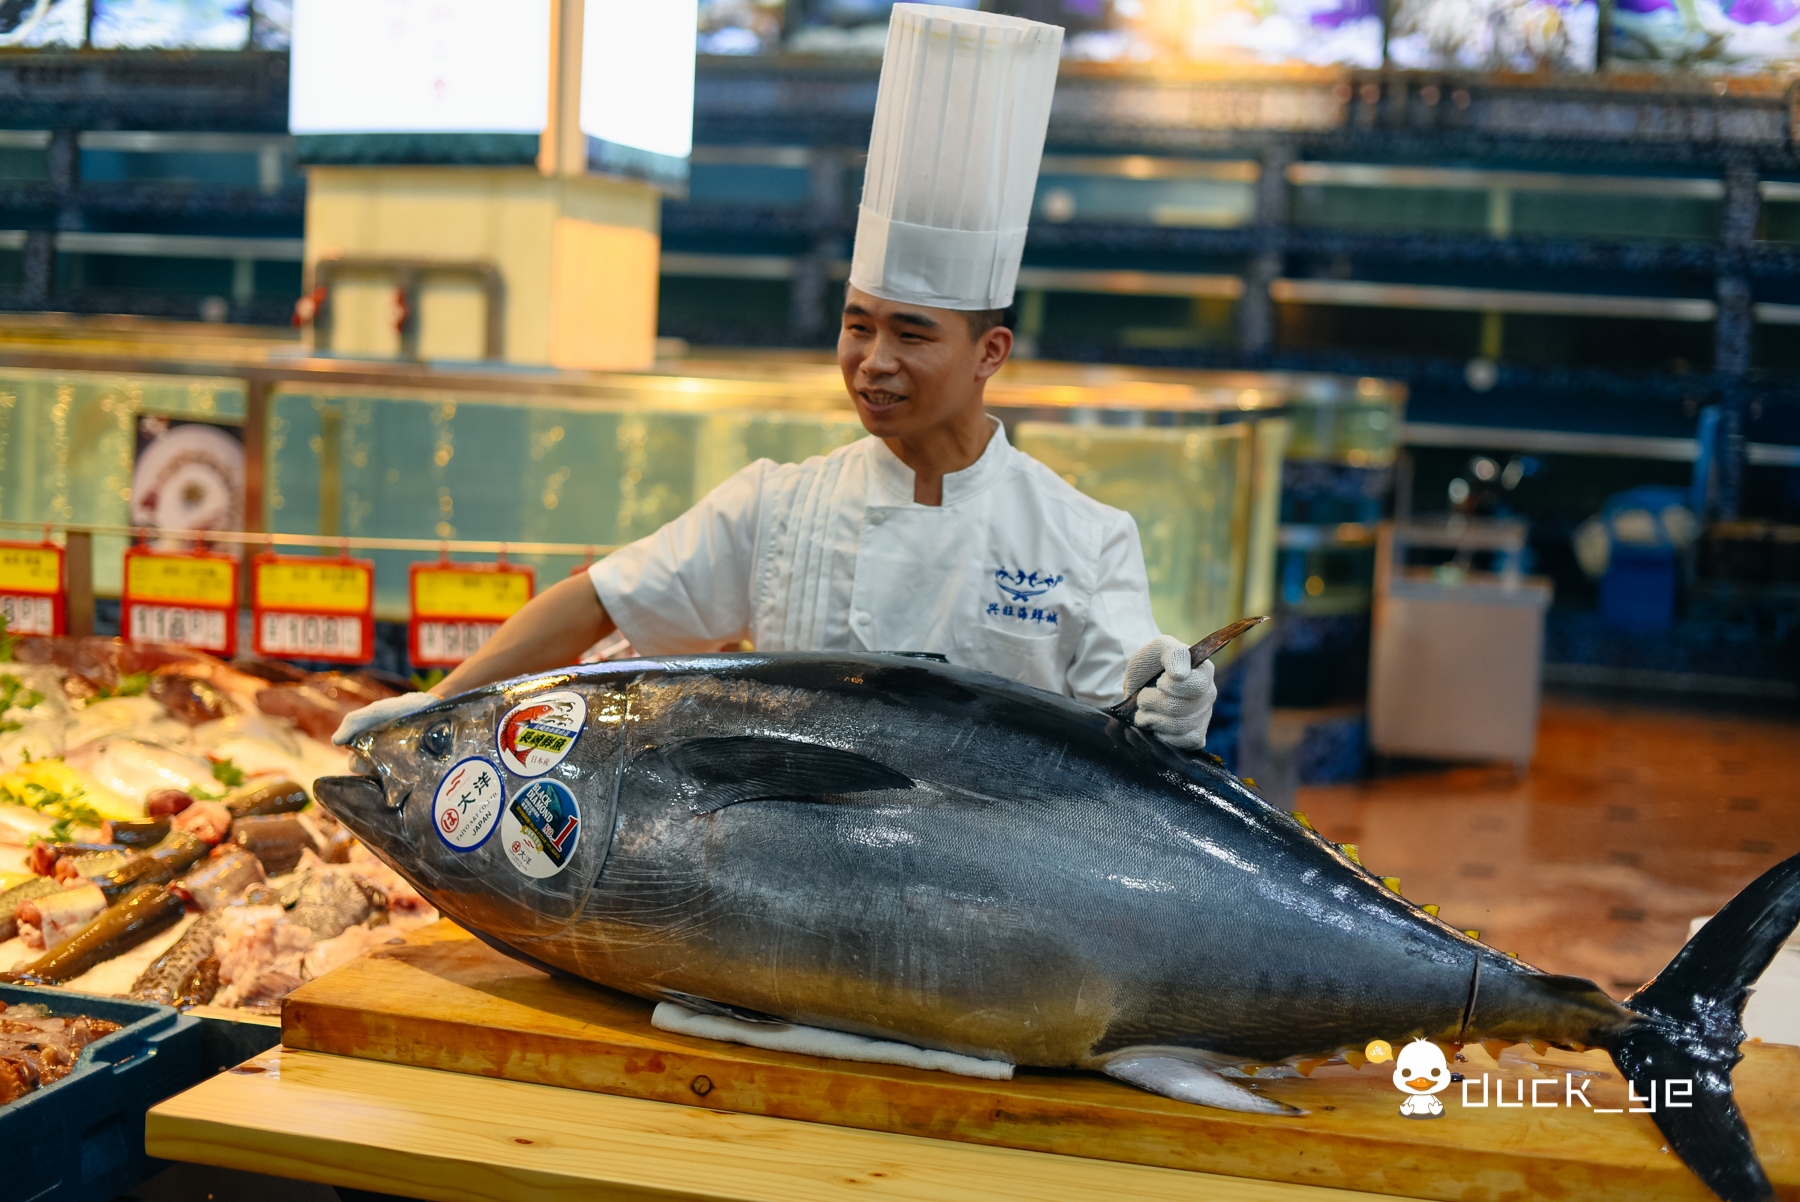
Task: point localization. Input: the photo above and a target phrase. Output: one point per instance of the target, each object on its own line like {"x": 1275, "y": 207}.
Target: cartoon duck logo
{"x": 1421, "y": 1072}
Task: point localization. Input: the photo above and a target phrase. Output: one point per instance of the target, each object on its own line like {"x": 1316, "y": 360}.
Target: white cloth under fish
{"x": 814, "y": 1041}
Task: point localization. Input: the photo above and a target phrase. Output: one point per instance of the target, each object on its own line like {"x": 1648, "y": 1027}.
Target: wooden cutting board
{"x": 441, "y": 999}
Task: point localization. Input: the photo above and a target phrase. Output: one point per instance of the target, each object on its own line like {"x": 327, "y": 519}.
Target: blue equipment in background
{"x": 1638, "y": 590}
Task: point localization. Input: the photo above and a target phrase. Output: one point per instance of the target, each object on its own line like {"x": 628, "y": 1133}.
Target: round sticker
{"x": 468, "y": 804}
{"x": 537, "y": 734}
{"x": 541, "y": 828}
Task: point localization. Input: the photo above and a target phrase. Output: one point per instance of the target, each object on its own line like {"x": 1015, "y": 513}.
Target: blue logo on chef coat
{"x": 1021, "y": 591}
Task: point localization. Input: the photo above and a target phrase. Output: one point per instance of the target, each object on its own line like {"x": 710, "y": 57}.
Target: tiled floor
{"x": 1634, "y": 820}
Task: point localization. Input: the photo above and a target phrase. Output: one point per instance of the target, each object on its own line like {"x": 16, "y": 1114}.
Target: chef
{"x": 934, "y": 534}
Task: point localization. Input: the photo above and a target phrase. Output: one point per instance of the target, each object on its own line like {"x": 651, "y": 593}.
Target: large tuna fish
{"x": 905, "y": 850}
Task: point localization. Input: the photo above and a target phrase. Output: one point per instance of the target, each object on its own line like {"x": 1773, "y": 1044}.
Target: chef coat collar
{"x": 898, "y": 479}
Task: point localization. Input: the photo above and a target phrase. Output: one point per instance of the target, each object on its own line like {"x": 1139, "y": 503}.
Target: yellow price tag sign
{"x": 30, "y": 569}
{"x": 447, "y": 593}
{"x": 187, "y": 579}
{"x": 322, "y": 587}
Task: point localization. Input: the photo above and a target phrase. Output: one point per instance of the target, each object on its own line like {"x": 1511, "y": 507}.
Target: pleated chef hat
{"x": 953, "y": 161}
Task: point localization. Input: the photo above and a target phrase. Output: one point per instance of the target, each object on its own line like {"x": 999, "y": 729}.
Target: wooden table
{"x": 426, "y": 1133}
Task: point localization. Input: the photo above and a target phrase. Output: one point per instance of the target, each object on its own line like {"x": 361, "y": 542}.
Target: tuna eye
{"x": 438, "y": 740}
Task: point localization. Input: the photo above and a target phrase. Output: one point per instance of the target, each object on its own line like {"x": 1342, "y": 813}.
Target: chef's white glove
{"x": 377, "y": 712}
{"x": 1178, "y": 708}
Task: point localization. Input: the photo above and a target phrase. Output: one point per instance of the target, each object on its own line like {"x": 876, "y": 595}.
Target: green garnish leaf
{"x": 227, "y": 773}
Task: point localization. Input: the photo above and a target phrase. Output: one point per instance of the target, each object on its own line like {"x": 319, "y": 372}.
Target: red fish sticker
{"x": 467, "y": 804}
{"x": 538, "y": 733}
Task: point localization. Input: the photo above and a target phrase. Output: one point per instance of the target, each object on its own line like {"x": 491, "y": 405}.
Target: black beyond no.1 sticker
{"x": 467, "y": 804}
{"x": 541, "y": 828}
{"x": 539, "y": 732}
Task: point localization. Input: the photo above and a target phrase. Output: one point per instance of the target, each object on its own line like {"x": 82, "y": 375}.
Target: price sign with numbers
{"x": 188, "y": 598}
{"x": 456, "y": 607}
{"x": 31, "y": 588}
{"x": 308, "y": 608}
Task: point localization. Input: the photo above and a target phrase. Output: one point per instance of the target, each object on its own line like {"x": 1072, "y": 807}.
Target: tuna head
{"x": 496, "y": 805}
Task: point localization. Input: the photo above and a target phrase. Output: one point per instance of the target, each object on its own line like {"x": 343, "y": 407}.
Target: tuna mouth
{"x": 346, "y": 796}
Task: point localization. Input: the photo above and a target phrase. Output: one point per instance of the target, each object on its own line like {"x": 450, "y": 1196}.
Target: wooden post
{"x": 78, "y": 564}
{"x": 256, "y": 445}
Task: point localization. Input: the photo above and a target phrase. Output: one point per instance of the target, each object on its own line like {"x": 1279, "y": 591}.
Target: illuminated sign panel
{"x": 422, "y": 66}
{"x": 637, "y": 86}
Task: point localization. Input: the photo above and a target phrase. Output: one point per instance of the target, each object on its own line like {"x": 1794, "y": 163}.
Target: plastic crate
{"x": 83, "y": 1137}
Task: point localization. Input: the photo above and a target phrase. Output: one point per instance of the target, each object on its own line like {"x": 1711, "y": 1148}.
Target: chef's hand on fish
{"x": 378, "y": 712}
{"x": 1176, "y": 703}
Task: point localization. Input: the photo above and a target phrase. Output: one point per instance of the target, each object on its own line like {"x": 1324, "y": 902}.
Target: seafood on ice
{"x": 157, "y": 832}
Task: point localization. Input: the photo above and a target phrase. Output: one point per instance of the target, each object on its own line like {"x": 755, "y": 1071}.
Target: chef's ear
{"x": 991, "y": 351}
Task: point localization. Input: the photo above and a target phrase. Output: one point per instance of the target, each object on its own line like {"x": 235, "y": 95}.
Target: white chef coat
{"x": 1016, "y": 573}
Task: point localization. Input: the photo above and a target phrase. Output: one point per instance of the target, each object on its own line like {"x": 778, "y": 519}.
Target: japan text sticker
{"x": 541, "y": 828}
{"x": 468, "y": 804}
{"x": 536, "y": 734}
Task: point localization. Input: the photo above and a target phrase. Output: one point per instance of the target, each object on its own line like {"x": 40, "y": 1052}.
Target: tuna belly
{"x": 878, "y": 920}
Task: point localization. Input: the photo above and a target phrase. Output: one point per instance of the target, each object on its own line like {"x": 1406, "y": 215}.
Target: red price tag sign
{"x": 31, "y": 588}
{"x": 308, "y": 608}
{"x": 456, "y": 607}
{"x": 188, "y": 598}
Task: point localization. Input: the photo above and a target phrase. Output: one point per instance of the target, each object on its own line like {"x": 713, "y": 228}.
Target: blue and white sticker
{"x": 541, "y": 828}
{"x": 538, "y": 733}
{"x": 468, "y": 804}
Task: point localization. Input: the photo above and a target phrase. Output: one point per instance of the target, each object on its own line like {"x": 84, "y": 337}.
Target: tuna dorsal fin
{"x": 720, "y": 772}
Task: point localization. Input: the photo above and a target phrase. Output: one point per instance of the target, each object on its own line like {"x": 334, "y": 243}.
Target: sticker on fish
{"x": 537, "y": 734}
{"x": 541, "y": 828}
{"x": 468, "y": 804}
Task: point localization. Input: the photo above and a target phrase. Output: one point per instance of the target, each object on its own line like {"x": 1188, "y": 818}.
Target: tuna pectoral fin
{"x": 701, "y": 1005}
{"x": 718, "y": 772}
{"x": 1689, "y": 1031}
{"x": 1186, "y": 1081}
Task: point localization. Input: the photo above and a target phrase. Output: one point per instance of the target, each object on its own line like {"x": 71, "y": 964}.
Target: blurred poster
{"x": 273, "y": 24}
{"x": 739, "y": 26}
{"x": 1320, "y": 32}
{"x": 42, "y": 22}
{"x": 1494, "y": 35}
{"x": 187, "y": 476}
{"x": 1716, "y": 35}
{"x": 171, "y": 24}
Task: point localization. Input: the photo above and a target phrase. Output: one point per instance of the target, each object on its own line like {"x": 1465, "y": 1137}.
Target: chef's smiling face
{"x": 912, "y": 368}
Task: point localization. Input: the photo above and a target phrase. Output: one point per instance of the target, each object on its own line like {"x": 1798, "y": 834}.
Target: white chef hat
{"x": 953, "y": 160}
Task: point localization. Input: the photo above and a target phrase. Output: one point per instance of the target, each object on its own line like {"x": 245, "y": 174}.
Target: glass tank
{"x": 1190, "y": 491}
{"x": 68, "y": 441}
{"x": 463, "y": 466}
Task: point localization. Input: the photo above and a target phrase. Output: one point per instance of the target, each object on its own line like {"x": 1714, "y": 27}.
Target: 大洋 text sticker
{"x": 468, "y": 804}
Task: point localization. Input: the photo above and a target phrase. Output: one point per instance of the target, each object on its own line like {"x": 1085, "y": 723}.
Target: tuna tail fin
{"x": 1689, "y": 1029}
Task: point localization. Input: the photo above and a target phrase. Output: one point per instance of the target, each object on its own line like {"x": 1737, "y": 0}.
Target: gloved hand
{"x": 377, "y": 712}
{"x": 1178, "y": 708}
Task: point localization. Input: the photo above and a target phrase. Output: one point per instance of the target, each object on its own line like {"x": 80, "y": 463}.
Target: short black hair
{"x": 982, "y": 320}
